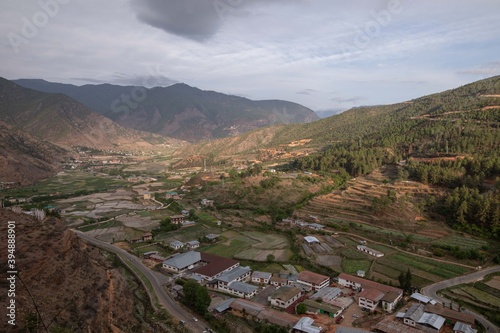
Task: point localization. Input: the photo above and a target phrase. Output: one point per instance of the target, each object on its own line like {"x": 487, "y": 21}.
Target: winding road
{"x": 157, "y": 281}
{"x": 433, "y": 289}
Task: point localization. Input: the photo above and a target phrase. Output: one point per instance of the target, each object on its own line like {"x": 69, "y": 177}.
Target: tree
{"x": 270, "y": 258}
{"x": 405, "y": 280}
{"x": 301, "y": 308}
{"x": 196, "y": 297}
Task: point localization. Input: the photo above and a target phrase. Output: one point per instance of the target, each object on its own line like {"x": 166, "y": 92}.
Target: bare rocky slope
{"x": 26, "y": 160}
{"x": 74, "y": 287}
{"x": 61, "y": 120}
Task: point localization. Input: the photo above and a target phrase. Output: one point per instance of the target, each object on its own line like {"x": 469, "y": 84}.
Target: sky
{"x": 325, "y": 54}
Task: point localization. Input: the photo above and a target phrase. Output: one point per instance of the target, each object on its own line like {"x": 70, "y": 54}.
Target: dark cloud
{"x": 194, "y": 19}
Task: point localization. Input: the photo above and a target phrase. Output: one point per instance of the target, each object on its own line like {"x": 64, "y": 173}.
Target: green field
{"x": 351, "y": 266}
{"x": 251, "y": 246}
{"x": 424, "y": 271}
{"x": 464, "y": 243}
{"x": 66, "y": 183}
{"x": 479, "y": 296}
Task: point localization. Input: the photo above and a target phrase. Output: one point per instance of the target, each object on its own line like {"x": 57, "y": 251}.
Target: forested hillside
{"x": 451, "y": 139}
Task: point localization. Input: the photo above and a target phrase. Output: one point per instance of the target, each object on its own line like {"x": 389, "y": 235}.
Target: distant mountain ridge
{"x": 416, "y": 121}
{"x": 60, "y": 120}
{"x": 179, "y": 111}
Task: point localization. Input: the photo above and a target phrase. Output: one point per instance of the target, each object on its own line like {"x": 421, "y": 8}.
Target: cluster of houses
{"x": 424, "y": 315}
{"x": 226, "y": 275}
{"x": 146, "y": 237}
{"x": 313, "y": 290}
{"x": 302, "y": 224}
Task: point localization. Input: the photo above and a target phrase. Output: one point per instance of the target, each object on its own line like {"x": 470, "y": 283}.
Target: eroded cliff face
{"x": 73, "y": 285}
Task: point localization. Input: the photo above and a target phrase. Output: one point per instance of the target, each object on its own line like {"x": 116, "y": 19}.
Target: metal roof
{"x": 183, "y": 260}
{"x": 415, "y": 312}
{"x": 221, "y": 307}
{"x": 242, "y": 287}
{"x": 305, "y": 324}
{"x": 261, "y": 275}
{"x": 422, "y": 298}
{"x": 176, "y": 243}
{"x": 234, "y": 274}
{"x": 463, "y": 328}
{"x": 433, "y": 320}
{"x": 329, "y": 293}
{"x": 311, "y": 239}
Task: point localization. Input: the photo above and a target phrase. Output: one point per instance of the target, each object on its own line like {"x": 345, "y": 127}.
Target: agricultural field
{"x": 464, "y": 243}
{"x": 186, "y": 234}
{"x": 354, "y": 204}
{"x": 99, "y": 205}
{"x": 67, "y": 182}
{"x": 483, "y": 296}
{"x": 251, "y": 246}
{"x": 424, "y": 271}
{"x": 351, "y": 266}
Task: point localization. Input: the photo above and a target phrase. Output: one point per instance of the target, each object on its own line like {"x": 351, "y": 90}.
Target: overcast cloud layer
{"x": 325, "y": 54}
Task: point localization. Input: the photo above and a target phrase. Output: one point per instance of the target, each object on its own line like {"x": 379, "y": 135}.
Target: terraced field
{"x": 354, "y": 205}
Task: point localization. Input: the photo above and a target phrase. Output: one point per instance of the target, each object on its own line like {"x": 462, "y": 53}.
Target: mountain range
{"x": 38, "y": 131}
{"x": 474, "y": 107}
{"x": 179, "y": 111}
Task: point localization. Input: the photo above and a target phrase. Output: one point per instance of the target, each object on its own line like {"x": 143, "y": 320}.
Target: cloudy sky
{"x": 324, "y": 54}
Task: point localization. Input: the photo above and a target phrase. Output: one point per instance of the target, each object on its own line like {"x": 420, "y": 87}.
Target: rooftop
{"x": 224, "y": 305}
{"x": 212, "y": 236}
{"x": 433, "y": 320}
{"x": 251, "y": 308}
{"x": 463, "y": 328}
{"x": 372, "y": 294}
{"x": 242, "y": 287}
{"x": 234, "y": 274}
{"x": 261, "y": 275}
{"x": 183, "y": 260}
{"x": 305, "y": 324}
{"x": 321, "y": 306}
{"x": 450, "y": 314}
{"x": 390, "y": 297}
{"x": 327, "y": 293}
{"x": 415, "y": 312}
{"x": 215, "y": 264}
{"x": 311, "y": 239}
{"x": 285, "y": 293}
{"x": 369, "y": 284}
{"x": 312, "y": 277}
{"x": 422, "y": 298}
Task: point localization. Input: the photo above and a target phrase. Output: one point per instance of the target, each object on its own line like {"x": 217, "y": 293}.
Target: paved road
{"x": 157, "y": 281}
{"x": 432, "y": 290}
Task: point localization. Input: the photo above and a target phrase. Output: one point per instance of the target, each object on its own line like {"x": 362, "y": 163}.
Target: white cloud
{"x": 262, "y": 49}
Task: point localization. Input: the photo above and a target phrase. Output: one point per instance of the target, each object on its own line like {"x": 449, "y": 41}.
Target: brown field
{"x": 354, "y": 204}
{"x": 494, "y": 282}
